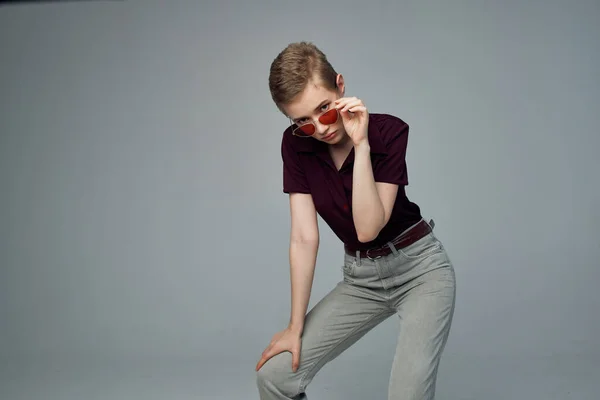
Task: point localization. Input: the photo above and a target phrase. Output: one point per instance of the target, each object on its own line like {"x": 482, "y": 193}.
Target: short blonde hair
{"x": 294, "y": 67}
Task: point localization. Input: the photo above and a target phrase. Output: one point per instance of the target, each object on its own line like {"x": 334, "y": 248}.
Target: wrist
{"x": 295, "y": 328}
{"x": 362, "y": 146}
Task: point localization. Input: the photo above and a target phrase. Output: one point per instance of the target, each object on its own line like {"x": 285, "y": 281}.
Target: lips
{"x": 331, "y": 135}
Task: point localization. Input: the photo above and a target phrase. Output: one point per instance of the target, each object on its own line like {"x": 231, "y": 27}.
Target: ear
{"x": 339, "y": 81}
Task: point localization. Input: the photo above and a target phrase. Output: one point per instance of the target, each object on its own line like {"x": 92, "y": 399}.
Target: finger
{"x": 267, "y": 354}
{"x": 268, "y": 350}
{"x": 353, "y": 113}
{"x": 339, "y": 103}
{"x": 348, "y": 109}
{"x": 261, "y": 362}
{"x": 351, "y": 104}
{"x": 346, "y": 100}
{"x": 343, "y": 99}
{"x": 265, "y": 357}
{"x": 356, "y": 109}
{"x": 295, "y": 360}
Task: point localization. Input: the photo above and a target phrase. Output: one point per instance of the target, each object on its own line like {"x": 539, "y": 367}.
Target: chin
{"x": 338, "y": 139}
{"x": 341, "y": 138}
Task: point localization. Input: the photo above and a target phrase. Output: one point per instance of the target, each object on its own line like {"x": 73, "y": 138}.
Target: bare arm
{"x": 372, "y": 202}
{"x": 304, "y": 244}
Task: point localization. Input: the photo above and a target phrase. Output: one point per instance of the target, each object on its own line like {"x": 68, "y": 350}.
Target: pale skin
{"x": 372, "y": 202}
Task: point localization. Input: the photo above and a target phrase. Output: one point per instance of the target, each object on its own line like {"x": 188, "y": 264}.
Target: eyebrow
{"x": 321, "y": 104}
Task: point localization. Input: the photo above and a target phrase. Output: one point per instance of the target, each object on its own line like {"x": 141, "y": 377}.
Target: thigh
{"x": 425, "y": 310}
{"x": 336, "y": 322}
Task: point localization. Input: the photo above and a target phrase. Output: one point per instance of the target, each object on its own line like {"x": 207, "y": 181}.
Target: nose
{"x": 320, "y": 128}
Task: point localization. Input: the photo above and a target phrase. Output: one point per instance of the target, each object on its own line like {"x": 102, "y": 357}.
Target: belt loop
{"x": 393, "y": 248}
{"x": 358, "y": 258}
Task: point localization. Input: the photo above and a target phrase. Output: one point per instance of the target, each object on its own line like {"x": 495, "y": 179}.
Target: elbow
{"x": 365, "y": 237}
{"x": 369, "y": 234}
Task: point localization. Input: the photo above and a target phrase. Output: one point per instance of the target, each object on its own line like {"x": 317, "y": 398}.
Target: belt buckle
{"x": 369, "y": 257}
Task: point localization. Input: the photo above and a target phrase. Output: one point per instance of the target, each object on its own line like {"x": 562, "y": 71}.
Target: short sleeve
{"x": 391, "y": 168}
{"x": 294, "y": 179}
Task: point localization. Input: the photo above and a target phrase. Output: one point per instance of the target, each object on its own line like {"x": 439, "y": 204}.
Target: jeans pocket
{"x": 423, "y": 247}
{"x": 349, "y": 267}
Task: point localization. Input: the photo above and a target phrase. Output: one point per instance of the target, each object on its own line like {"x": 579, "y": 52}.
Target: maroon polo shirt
{"x": 309, "y": 168}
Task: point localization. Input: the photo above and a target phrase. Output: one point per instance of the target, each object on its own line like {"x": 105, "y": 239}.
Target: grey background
{"x": 144, "y": 234}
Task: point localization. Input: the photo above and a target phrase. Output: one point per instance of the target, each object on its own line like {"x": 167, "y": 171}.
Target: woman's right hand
{"x": 286, "y": 340}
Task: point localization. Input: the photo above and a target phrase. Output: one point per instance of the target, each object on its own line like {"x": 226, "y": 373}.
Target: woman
{"x": 348, "y": 165}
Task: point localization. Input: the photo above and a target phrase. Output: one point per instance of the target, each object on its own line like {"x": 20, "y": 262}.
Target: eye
{"x": 324, "y": 107}
{"x": 301, "y": 121}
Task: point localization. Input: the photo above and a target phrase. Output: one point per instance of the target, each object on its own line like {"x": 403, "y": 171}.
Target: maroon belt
{"x": 415, "y": 233}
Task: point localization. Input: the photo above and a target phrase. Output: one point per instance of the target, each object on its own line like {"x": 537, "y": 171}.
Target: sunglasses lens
{"x": 308, "y": 129}
{"x": 329, "y": 117}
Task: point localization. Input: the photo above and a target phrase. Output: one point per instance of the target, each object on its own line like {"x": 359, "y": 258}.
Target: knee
{"x": 415, "y": 381}
{"x": 276, "y": 376}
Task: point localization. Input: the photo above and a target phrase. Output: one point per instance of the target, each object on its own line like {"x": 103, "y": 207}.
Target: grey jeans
{"x": 417, "y": 283}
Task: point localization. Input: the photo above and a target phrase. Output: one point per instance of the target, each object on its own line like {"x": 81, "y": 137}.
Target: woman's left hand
{"x": 355, "y": 118}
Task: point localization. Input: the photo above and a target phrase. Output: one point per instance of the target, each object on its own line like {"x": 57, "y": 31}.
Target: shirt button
{"x": 345, "y": 207}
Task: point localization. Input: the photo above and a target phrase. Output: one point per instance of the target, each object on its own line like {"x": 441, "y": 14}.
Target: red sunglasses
{"x": 308, "y": 129}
